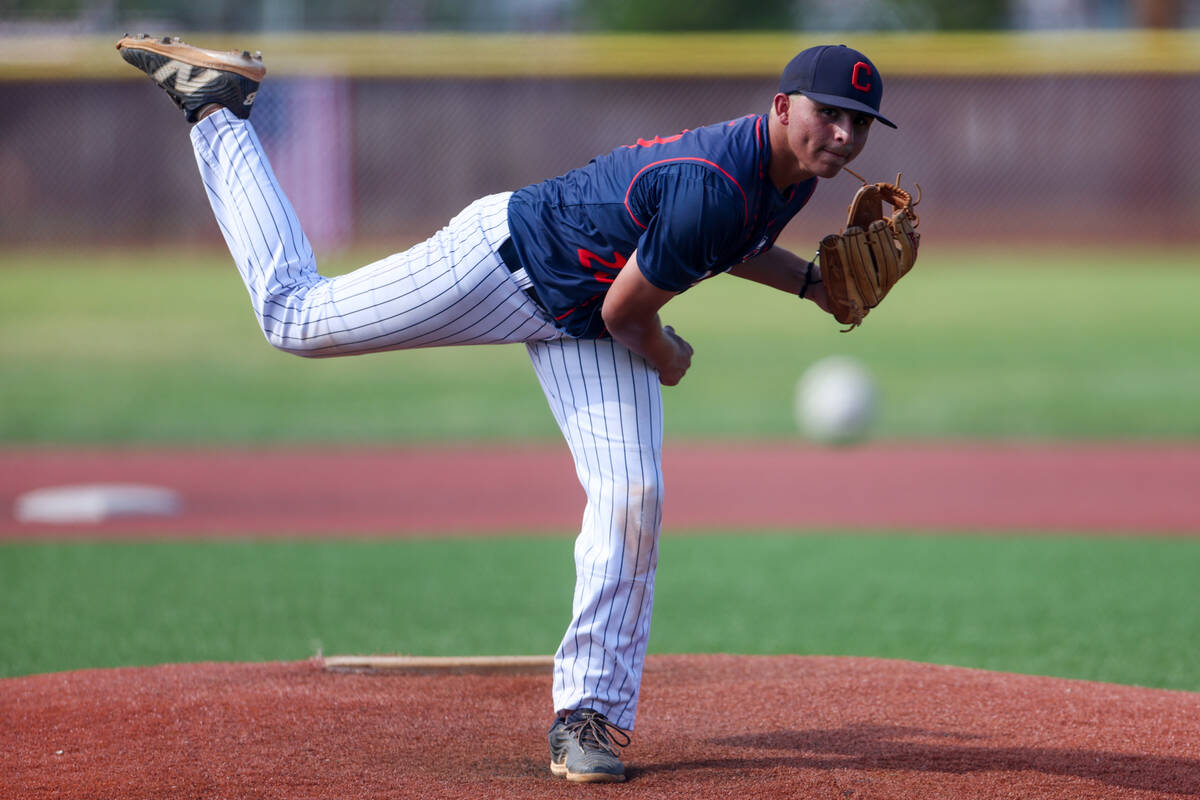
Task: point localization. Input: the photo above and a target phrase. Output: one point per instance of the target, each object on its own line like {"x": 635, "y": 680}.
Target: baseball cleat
{"x": 195, "y": 77}
{"x": 583, "y": 748}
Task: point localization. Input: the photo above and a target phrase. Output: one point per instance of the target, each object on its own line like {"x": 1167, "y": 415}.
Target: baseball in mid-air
{"x": 836, "y": 401}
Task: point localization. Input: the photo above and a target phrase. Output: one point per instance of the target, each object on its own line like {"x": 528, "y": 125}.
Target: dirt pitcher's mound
{"x": 710, "y": 726}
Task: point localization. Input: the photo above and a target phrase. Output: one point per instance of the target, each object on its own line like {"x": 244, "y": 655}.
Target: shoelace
{"x": 595, "y": 728}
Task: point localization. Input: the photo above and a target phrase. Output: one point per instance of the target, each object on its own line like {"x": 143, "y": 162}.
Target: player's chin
{"x": 829, "y": 165}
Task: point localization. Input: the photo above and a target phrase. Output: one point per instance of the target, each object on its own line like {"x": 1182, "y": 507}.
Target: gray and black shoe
{"x": 583, "y": 748}
{"x": 195, "y": 77}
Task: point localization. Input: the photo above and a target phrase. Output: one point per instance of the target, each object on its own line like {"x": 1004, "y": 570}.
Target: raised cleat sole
{"x": 241, "y": 63}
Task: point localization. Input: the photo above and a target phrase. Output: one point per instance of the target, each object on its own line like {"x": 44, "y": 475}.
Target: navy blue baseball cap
{"x": 837, "y": 76}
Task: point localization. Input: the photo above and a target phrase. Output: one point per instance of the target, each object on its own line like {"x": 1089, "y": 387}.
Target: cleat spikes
{"x": 193, "y": 77}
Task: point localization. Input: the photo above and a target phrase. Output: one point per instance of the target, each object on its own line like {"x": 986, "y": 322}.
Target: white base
{"x": 95, "y": 503}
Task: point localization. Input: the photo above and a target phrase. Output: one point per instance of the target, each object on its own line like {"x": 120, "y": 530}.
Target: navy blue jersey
{"x": 692, "y": 206}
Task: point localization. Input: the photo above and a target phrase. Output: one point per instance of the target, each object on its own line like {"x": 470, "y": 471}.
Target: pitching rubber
{"x": 438, "y": 664}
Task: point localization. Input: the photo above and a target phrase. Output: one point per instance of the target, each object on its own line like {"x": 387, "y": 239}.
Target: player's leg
{"x": 450, "y": 289}
{"x": 608, "y": 403}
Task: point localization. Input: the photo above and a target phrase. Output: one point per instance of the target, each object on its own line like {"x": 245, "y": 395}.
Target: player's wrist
{"x": 812, "y": 277}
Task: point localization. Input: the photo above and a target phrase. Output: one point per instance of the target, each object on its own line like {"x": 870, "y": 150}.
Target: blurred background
{"x": 1054, "y": 141}
{"x": 1036, "y": 118}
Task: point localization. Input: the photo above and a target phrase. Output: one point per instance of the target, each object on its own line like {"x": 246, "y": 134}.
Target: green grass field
{"x": 971, "y": 345}
{"x": 1108, "y": 609}
{"x": 165, "y": 351}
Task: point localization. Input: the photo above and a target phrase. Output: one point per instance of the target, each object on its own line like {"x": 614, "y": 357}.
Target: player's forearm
{"x": 784, "y": 270}
{"x": 778, "y": 268}
{"x": 667, "y": 352}
{"x": 630, "y": 314}
{"x": 643, "y": 335}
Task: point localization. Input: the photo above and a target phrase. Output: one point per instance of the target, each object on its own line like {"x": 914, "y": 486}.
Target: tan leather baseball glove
{"x": 860, "y": 265}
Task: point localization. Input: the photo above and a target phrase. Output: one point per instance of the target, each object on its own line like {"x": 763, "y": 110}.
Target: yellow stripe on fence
{"x": 632, "y": 55}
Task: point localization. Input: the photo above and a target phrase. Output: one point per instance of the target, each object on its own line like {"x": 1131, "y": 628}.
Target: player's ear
{"x": 782, "y": 104}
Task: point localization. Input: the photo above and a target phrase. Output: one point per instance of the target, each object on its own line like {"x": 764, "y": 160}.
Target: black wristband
{"x": 808, "y": 281}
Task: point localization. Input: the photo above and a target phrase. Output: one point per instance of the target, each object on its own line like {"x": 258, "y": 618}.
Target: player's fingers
{"x": 684, "y": 345}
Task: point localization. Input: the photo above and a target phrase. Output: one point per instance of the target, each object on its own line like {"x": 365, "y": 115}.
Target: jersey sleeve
{"x": 694, "y": 217}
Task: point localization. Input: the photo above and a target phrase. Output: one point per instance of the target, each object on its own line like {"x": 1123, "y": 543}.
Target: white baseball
{"x": 836, "y": 401}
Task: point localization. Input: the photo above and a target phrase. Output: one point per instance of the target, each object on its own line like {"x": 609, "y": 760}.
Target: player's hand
{"x": 676, "y": 359}
{"x": 818, "y": 295}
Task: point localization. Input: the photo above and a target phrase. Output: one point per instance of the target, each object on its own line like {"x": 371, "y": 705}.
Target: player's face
{"x": 824, "y": 138}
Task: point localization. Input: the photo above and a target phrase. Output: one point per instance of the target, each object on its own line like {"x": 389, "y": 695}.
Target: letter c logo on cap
{"x": 860, "y": 78}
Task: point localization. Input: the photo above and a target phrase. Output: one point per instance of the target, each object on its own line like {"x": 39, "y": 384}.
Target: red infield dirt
{"x": 1087, "y": 488}
{"x": 709, "y": 726}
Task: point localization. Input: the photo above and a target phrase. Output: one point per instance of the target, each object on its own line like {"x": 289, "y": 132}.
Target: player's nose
{"x": 844, "y": 130}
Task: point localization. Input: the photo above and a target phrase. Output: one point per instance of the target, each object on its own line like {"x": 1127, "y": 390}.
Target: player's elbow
{"x": 625, "y": 321}
{"x": 616, "y": 321}
{"x": 630, "y": 309}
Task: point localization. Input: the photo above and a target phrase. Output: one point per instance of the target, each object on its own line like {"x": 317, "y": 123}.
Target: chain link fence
{"x": 1065, "y": 158}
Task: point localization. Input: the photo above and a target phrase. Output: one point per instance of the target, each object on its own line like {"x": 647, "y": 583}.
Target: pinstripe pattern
{"x": 453, "y": 289}
{"x": 608, "y": 403}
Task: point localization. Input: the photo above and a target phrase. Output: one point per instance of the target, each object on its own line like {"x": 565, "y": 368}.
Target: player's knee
{"x": 287, "y": 344}
{"x": 296, "y": 339}
{"x": 305, "y": 348}
{"x": 289, "y": 324}
{"x": 639, "y": 504}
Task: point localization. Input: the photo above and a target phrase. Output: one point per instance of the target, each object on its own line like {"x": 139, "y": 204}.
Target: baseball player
{"x": 576, "y": 268}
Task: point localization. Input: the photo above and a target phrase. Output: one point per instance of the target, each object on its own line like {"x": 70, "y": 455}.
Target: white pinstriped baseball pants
{"x": 453, "y": 289}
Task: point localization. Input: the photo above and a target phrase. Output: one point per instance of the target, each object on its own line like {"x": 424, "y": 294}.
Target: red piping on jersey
{"x": 758, "y": 136}
{"x": 655, "y": 140}
{"x": 745, "y": 202}
{"x": 585, "y": 303}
